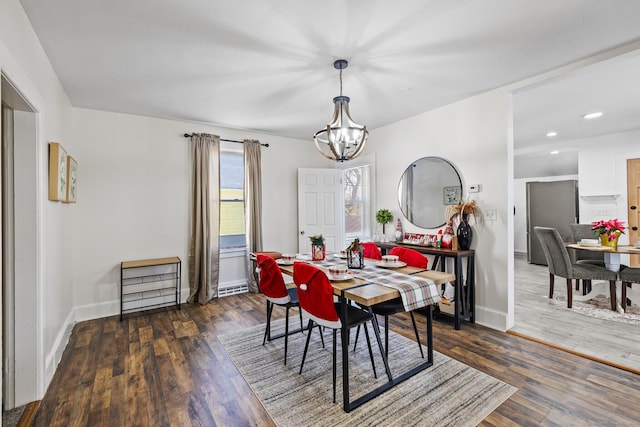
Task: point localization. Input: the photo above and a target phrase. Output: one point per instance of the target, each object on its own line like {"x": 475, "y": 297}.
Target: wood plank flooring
{"x": 168, "y": 368}
{"x": 535, "y": 317}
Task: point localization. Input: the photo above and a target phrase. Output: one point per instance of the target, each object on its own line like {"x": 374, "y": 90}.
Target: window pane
{"x": 357, "y": 202}
{"x": 232, "y": 225}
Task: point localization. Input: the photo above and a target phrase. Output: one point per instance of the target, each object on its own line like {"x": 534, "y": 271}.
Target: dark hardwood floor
{"x": 167, "y": 368}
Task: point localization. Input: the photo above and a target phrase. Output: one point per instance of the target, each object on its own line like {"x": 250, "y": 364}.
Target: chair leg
{"x": 623, "y": 300}
{"x": 551, "y": 280}
{"x": 415, "y": 329}
{"x": 569, "y": 292}
{"x": 306, "y": 346}
{"x": 286, "y": 334}
{"x": 267, "y": 329}
{"x": 335, "y": 354}
{"x": 578, "y": 284}
{"x": 300, "y": 313}
{"x": 612, "y": 294}
{"x": 356, "y": 340}
{"x": 373, "y": 364}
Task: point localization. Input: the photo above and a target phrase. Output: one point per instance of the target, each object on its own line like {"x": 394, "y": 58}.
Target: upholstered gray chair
{"x": 560, "y": 264}
{"x": 579, "y": 232}
{"x": 628, "y": 276}
{"x": 584, "y": 231}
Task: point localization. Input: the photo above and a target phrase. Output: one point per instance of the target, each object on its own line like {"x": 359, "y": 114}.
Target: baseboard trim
{"x": 60, "y": 343}
{"x": 576, "y": 353}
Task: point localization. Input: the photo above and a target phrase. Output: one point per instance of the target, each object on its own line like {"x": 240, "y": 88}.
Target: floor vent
{"x": 233, "y": 290}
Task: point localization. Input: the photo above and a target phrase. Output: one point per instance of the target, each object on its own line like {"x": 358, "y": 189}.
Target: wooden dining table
{"x": 367, "y": 291}
{"x": 612, "y": 263}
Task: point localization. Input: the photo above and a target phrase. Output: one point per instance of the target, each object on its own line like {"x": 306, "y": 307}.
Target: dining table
{"x": 612, "y": 258}
{"x": 373, "y": 284}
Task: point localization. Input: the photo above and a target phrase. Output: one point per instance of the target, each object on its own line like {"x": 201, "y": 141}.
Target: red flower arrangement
{"x": 612, "y": 228}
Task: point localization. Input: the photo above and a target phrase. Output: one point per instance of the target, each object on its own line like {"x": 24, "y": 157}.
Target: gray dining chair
{"x": 559, "y": 264}
{"x": 579, "y": 232}
{"x": 628, "y": 275}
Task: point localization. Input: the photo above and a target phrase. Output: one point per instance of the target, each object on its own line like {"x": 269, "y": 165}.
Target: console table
{"x": 464, "y": 285}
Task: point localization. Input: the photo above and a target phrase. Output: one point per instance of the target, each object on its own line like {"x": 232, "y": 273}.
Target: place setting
{"x": 339, "y": 273}
{"x": 390, "y": 261}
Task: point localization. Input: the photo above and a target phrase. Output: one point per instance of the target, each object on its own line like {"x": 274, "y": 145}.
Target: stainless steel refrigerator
{"x": 550, "y": 204}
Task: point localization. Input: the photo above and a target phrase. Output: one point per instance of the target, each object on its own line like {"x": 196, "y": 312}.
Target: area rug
{"x": 449, "y": 393}
{"x": 600, "y": 308}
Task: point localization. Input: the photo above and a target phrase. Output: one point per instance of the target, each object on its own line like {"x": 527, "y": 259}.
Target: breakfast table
{"x": 611, "y": 262}
{"x": 373, "y": 284}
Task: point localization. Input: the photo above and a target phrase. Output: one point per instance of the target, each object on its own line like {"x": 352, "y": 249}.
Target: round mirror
{"x": 427, "y": 186}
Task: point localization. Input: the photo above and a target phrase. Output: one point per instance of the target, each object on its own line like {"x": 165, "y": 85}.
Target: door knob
{"x": 633, "y": 208}
{"x": 302, "y": 233}
{"x": 634, "y": 228}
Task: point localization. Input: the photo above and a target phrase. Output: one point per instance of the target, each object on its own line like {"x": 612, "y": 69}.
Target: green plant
{"x": 355, "y": 245}
{"x": 317, "y": 239}
{"x": 384, "y": 216}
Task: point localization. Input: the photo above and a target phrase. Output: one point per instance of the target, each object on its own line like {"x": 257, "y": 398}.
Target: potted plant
{"x": 461, "y": 213}
{"x": 609, "y": 231}
{"x": 384, "y": 217}
{"x": 317, "y": 247}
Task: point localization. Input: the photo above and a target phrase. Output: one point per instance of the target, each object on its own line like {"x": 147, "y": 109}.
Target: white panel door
{"x": 320, "y": 208}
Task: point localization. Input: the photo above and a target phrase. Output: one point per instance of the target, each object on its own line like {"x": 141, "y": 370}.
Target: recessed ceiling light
{"x": 593, "y": 115}
{"x": 555, "y": 152}
{"x": 552, "y": 134}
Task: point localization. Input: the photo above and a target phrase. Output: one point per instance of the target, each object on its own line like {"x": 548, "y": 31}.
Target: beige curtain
{"x": 252, "y": 205}
{"x": 204, "y": 250}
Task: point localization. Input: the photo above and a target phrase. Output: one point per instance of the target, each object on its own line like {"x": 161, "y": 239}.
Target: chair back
{"x": 271, "y": 283}
{"x": 315, "y": 294}
{"x": 410, "y": 256}
{"x": 371, "y": 250}
{"x": 584, "y": 231}
{"x": 555, "y": 251}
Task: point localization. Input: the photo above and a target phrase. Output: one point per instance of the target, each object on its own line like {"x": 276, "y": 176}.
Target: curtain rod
{"x": 188, "y": 135}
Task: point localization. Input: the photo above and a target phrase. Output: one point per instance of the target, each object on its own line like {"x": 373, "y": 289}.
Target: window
{"x": 232, "y": 225}
{"x": 357, "y": 202}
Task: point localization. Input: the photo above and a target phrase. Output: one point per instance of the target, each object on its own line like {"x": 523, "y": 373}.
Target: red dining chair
{"x": 395, "y": 306}
{"x": 272, "y": 285}
{"x": 371, "y": 250}
{"x": 316, "y": 300}
{"x": 410, "y": 256}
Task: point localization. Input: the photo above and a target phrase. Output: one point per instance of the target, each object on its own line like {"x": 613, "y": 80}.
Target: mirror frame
{"x": 406, "y": 198}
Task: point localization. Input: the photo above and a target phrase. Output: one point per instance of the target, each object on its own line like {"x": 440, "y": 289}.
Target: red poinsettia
{"x": 609, "y": 227}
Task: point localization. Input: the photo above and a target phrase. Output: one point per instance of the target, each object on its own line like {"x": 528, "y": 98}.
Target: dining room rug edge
{"x": 448, "y": 393}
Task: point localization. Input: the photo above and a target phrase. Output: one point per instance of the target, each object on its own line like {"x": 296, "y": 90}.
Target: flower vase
{"x": 318, "y": 252}
{"x": 464, "y": 233}
{"x": 605, "y": 240}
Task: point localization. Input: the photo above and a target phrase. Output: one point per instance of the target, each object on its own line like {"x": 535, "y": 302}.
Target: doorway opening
{"x": 20, "y": 349}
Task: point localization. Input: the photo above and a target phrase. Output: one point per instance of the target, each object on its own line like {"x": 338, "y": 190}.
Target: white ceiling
{"x": 267, "y": 65}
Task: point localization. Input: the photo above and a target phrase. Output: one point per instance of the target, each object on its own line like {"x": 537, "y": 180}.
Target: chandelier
{"x": 342, "y": 139}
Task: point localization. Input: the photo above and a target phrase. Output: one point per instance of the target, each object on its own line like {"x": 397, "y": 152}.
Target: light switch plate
{"x": 473, "y": 188}
{"x": 491, "y": 214}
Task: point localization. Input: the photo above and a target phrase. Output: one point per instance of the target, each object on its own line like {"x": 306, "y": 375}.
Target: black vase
{"x": 465, "y": 234}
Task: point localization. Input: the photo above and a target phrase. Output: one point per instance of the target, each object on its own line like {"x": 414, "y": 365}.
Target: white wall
{"x": 25, "y": 65}
{"x": 520, "y": 204}
{"x": 473, "y": 134}
{"x": 134, "y": 197}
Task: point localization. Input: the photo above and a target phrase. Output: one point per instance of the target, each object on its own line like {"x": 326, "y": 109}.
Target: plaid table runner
{"x": 416, "y": 292}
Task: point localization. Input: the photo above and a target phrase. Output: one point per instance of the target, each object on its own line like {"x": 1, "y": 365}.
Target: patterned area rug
{"x": 600, "y": 308}
{"x": 449, "y": 393}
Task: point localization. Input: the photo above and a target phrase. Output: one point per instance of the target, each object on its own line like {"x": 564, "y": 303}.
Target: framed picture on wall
{"x": 452, "y": 195}
{"x": 72, "y": 181}
{"x": 57, "y": 172}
